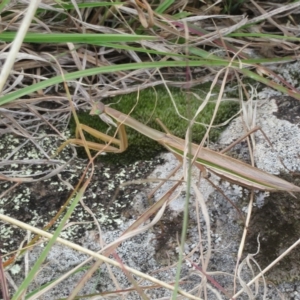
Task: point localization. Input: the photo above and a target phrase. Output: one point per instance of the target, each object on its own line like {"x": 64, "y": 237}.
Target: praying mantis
{"x": 225, "y": 166}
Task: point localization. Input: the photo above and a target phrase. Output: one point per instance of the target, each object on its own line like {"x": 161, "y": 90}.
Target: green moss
{"x": 156, "y": 103}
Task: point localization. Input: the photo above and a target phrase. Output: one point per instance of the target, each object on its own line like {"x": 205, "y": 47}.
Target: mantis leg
{"x": 121, "y": 143}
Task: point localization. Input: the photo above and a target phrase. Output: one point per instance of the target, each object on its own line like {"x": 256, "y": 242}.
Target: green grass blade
{"x": 3, "y": 4}
{"x": 26, "y": 282}
{"x": 164, "y": 6}
{"x": 147, "y": 65}
{"x": 100, "y": 70}
{"x": 88, "y": 38}
{"x": 264, "y": 36}
{"x": 88, "y": 5}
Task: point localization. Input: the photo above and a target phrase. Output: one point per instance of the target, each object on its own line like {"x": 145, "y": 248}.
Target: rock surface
{"x": 275, "y": 217}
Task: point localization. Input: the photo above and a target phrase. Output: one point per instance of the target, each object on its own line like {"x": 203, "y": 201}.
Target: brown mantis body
{"x": 226, "y": 167}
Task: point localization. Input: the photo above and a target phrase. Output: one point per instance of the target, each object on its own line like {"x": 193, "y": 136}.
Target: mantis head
{"x": 97, "y": 108}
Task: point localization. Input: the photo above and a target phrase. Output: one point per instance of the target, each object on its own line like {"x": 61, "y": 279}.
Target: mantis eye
{"x": 95, "y": 111}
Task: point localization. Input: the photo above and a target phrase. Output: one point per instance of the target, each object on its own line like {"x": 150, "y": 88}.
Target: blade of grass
{"x": 164, "y": 6}
{"x": 3, "y": 4}
{"x": 88, "y": 5}
{"x": 26, "y": 282}
{"x": 88, "y": 38}
{"x": 93, "y": 254}
{"x": 135, "y": 66}
{"x": 264, "y": 36}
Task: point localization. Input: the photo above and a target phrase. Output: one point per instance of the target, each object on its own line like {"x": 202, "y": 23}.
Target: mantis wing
{"x": 226, "y": 167}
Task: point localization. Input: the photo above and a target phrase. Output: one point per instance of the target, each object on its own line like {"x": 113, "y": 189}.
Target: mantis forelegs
{"x": 122, "y": 142}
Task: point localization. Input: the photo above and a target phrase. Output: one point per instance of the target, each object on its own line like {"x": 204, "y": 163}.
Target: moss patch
{"x": 156, "y": 103}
